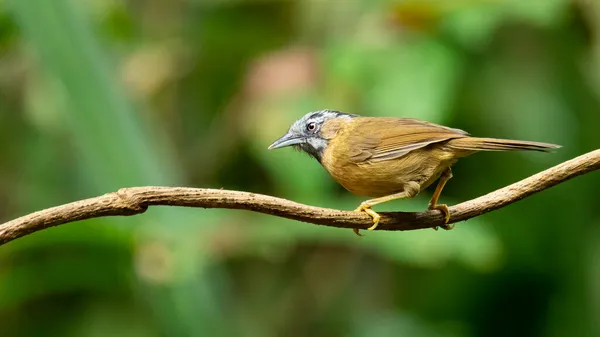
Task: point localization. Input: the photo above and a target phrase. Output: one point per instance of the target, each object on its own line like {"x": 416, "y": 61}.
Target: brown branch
{"x": 135, "y": 200}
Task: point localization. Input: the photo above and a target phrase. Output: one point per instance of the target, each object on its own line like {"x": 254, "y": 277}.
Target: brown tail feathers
{"x": 494, "y": 144}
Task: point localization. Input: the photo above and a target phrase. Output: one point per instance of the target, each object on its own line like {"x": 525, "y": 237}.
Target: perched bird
{"x": 389, "y": 158}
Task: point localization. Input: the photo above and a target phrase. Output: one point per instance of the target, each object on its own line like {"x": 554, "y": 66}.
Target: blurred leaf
{"x": 475, "y": 25}
{"x": 539, "y": 12}
{"x": 425, "y": 15}
{"x": 397, "y": 324}
{"x": 414, "y": 82}
{"x": 419, "y": 15}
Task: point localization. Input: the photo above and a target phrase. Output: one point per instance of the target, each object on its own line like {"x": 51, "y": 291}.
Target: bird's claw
{"x": 444, "y": 209}
{"x": 367, "y": 209}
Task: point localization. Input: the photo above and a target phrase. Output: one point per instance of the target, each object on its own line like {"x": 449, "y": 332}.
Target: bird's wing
{"x": 379, "y": 139}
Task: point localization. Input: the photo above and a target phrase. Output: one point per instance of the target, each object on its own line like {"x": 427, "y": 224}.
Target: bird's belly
{"x": 372, "y": 187}
{"x": 368, "y": 182}
{"x": 377, "y": 179}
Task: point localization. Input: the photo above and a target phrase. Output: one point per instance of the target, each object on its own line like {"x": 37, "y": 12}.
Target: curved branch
{"x": 135, "y": 200}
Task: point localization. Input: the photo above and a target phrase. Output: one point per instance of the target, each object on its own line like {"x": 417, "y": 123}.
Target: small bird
{"x": 388, "y": 158}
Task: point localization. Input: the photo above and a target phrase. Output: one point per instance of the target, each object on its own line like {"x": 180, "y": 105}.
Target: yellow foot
{"x": 367, "y": 209}
{"x": 444, "y": 209}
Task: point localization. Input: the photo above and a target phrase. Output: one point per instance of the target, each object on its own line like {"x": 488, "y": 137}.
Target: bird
{"x": 388, "y": 158}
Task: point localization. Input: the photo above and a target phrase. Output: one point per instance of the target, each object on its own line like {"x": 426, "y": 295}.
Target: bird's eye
{"x": 311, "y": 126}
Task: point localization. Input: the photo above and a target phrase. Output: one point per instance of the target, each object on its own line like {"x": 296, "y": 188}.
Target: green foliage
{"x": 99, "y": 95}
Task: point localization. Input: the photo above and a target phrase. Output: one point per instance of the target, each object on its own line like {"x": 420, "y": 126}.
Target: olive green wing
{"x": 380, "y": 139}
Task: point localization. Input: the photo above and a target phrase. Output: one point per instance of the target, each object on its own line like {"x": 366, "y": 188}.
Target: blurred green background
{"x": 96, "y": 95}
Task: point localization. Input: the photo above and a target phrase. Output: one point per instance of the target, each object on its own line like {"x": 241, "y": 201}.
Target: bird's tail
{"x": 495, "y": 144}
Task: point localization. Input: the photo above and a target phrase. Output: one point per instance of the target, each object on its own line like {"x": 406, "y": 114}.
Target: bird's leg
{"x": 410, "y": 190}
{"x": 446, "y": 175}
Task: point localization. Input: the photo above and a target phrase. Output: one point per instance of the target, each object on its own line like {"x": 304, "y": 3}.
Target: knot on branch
{"x": 129, "y": 201}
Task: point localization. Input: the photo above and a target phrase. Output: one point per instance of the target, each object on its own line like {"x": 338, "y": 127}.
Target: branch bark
{"x": 135, "y": 200}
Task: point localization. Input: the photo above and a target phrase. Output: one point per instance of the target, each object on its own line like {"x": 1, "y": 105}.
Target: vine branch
{"x": 135, "y": 200}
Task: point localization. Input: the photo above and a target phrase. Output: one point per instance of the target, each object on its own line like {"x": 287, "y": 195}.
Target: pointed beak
{"x": 287, "y": 140}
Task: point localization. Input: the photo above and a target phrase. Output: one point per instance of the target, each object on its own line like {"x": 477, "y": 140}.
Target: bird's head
{"x": 306, "y": 133}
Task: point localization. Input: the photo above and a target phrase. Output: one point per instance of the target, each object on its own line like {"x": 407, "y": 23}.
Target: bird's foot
{"x": 365, "y": 207}
{"x": 444, "y": 209}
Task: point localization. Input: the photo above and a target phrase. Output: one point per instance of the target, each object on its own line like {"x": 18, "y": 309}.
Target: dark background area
{"x": 97, "y": 95}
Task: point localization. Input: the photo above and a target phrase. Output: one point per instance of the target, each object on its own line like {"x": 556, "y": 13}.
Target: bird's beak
{"x": 287, "y": 140}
